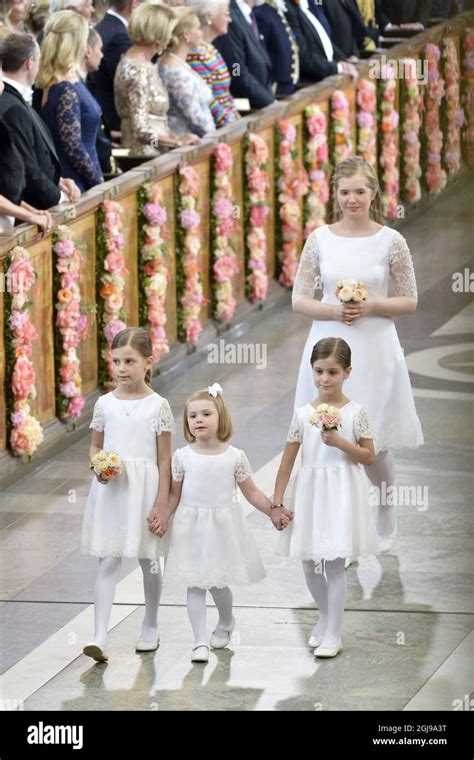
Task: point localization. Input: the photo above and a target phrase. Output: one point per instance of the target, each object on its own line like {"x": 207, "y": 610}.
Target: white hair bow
{"x": 215, "y": 390}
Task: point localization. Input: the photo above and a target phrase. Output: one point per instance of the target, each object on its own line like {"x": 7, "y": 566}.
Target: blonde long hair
{"x": 63, "y": 47}
{"x": 346, "y": 169}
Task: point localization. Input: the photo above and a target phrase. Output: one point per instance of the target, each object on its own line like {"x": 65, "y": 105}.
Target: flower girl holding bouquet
{"x": 131, "y": 458}
{"x": 331, "y": 499}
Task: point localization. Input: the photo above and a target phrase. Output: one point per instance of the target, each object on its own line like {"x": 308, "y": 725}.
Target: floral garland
{"x": 189, "y": 286}
{"x": 342, "y": 147}
{"x": 317, "y": 166}
{"x": 292, "y": 185}
{"x": 26, "y": 433}
{"x": 388, "y": 145}
{"x": 257, "y": 210}
{"x": 468, "y": 66}
{"x": 412, "y": 105}
{"x": 111, "y": 285}
{"x": 436, "y": 177}
{"x": 454, "y": 114}
{"x": 366, "y": 121}
{"x": 71, "y": 324}
{"x": 153, "y": 274}
{"x": 225, "y": 264}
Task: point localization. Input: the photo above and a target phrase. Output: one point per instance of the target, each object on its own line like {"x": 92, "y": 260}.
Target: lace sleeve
{"x": 177, "y": 468}
{"x": 402, "y": 272}
{"x": 295, "y": 433}
{"x": 186, "y": 94}
{"x": 308, "y": 270}
{"x": 242, "y": 468}
{"x": 70, "y": 135}
{"x": 98, "y": 422}
{"x": 362, "y": 425}
{"x": 163, "y": 420}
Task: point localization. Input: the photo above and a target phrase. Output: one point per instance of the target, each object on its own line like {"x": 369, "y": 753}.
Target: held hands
{"x": 281, "y": 517}
{"x": 69, "y": 188}
{"x": 157, "y": 523}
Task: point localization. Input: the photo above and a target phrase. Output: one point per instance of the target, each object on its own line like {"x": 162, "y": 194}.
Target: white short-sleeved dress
{"x": 115, "y": 514}
{"x": 331, "y": 499}
{"x": 210, "y": 543}
{"x": 379, "y": 378}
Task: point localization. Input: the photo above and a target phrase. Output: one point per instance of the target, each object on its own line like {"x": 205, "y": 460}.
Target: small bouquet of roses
{"x": 106, "y": 464}
{"x": 326, "y": 417}
{"x": 351, "y": 290}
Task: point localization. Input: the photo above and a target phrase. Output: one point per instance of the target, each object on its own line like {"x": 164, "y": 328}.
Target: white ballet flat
{"x": 148, "y": 646}
{"x": 221, "y": 638}
{"x": 328, "y": 652}
{"x": 96, "y": 651}
{"x": 200, "y": 653}
{"x": 349, "y": 561}
{"x": 314, "y": 641}
{"x": 387, "y": 542}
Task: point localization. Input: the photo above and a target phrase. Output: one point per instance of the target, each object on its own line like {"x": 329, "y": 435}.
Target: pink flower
{"x": 223, "y": 157}
{"x": 112, "y": 328}
{"x": 69, "y": 390}
{"x": 224, "y": 268}
{"x": 22, "y": 275}
{"x": 190, "y": 183}
{"x": 223, "y": 208}
{"x": 288, "y": 131}
{"x": 189, "y": 219}
{"x": 193, "y": 331}
{"x": 75, "y": 407}
{"x": 64, "y": 248}
{"x": 155, "y": 214}
{"x": 18, "y": 319}
{"x": 114, "y": 262}
{"x": 23, "y": 378}
{"x": 258, "y": 215}
{"x": 226, "y": 227}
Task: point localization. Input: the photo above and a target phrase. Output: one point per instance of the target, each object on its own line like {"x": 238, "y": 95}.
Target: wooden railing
{"x": 82, "y": 221}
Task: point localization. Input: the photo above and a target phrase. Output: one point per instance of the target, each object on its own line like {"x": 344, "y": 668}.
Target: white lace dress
{"x": 115, "y": 514}
{"x": 331, "y": 498}
{"x": 211, "y": 544}
{"x": 379, "y": 378}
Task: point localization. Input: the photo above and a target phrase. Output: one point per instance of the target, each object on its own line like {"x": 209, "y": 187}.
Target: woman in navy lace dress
{"x": 68, "y": 108}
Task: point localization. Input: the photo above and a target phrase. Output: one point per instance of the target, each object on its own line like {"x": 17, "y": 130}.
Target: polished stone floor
{"x": 407, "y": 630}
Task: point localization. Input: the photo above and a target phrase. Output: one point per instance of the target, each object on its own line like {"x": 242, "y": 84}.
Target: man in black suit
{"x": 115, "y": 42}
{"x": 246, "y": 57}
{"x": 407, "y": 11}
{"x": 319, "y": 57}
{"x": 20, "y": 57}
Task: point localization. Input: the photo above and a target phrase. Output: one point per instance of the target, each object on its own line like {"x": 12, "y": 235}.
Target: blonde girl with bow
{"x": 211, "y": 547}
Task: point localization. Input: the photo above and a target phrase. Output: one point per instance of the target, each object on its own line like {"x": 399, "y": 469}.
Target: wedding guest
{"x": 68, "y": 108}
{"x": 280, "y": 42}
{"x": 140, "y": 95}
{"x": 246, "y": 57}
{"x": 190, "y": 97}
{"x": 84, "y": 8}
{"x": 207, "y": 61}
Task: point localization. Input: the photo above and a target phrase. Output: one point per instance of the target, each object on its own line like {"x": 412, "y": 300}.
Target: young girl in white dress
{"x": 359, "y": 246}
{"x": 211, "y": 547}
{"x": 332, "y": 514}
{"x": 136, "y": 423}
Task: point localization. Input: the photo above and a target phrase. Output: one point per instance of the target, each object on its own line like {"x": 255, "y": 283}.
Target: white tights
{"x": 383, "y": 471}
{"x": 326, "y": 581}
{"x": 106, "y": 582}
{"x": 196, "y": 603}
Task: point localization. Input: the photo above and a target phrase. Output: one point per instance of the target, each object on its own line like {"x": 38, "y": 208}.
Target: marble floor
{"x": 407, "y": 630}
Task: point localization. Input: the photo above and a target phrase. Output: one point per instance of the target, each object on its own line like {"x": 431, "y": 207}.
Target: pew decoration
{"x": 341, "y": 133}
{"x": 189, "y": 287}
{"x": 436, "y": 177}
{"x": 224, "y": 258}
{"x": 255, "y": 215}
{"x": 111, "y": 272}
{"x": 453, "y": 112}
{"x": 24, "y": 430}
{"x": 389, "y": 150}
{"x": 412, "y": 103}
{"x": 292, "y": 186}
{"x": 317, "y": 166}
{"x": 367, "y": 121}
{"x": 153, "y": 271}
{"x": 70, "y": 322}
{"x": 468, "y": 95}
